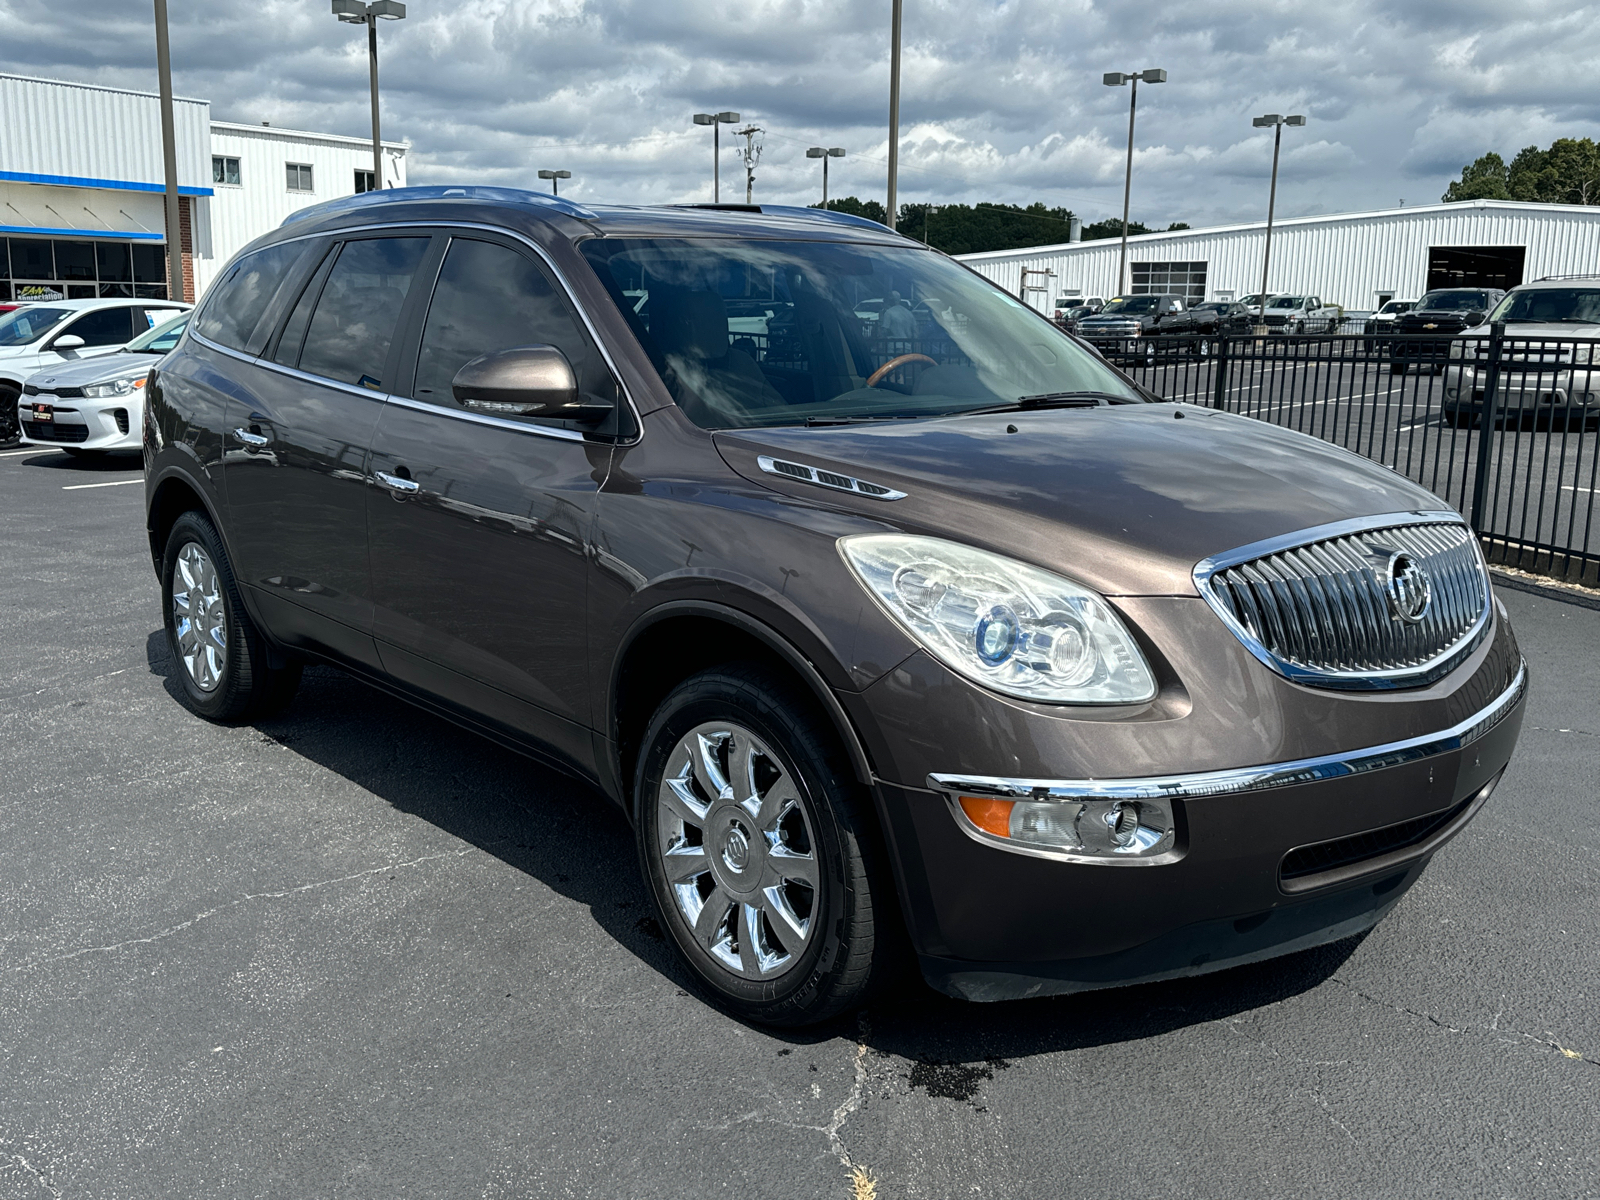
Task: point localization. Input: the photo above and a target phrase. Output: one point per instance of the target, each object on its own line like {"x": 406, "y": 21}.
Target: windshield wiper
{"x": 861, "y": 419}
{"x": 1053, "y": 400}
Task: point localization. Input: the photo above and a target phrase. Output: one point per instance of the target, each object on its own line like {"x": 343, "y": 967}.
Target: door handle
{"x": 397, "y": 483}
{"x": 250, "y": 439}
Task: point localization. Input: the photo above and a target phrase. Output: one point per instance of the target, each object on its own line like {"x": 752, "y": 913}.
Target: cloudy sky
{"x": 1001, "y": 101}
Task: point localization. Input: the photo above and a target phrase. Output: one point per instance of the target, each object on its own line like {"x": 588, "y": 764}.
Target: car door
{"x": 294, "y": 471}
{"x": 480, "y": 525}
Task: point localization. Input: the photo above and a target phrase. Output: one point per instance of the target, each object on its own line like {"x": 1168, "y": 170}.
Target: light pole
{"x": 894, "y": 111}
{"x": 716, "y": 121}
{"x": 553, "y": 176}
{"x": 169, "y": 155}
{"x": 354, "y": 12}
{"x": 825, "y": 153}
{"x": 1276, "y": 123}
{"x": 1117, "y": 79}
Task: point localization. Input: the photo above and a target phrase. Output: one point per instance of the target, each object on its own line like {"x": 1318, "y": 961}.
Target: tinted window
{"x": 103, "y": 327}
{"x": 26, "y": 325}
{"x": 1449, "y": 301}
{"x": 1574, "y": 305}
{"x": 491, "y": 297}
{"x": 239, "y": 299}
{"x": 353, "y": 325}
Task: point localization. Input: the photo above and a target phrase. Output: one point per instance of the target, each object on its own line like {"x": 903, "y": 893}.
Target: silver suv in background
{"x": 1545, "y": 363}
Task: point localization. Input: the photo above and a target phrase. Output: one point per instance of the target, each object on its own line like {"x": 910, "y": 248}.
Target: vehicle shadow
{"x": 51, "y": 459}
{"x": 569, "y": 837}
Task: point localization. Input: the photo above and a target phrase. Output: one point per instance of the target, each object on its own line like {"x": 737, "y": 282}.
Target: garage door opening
{"x": 1475, "y": 266}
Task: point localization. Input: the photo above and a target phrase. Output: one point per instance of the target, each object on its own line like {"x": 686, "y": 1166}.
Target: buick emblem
{"x": 1409, "y": 588}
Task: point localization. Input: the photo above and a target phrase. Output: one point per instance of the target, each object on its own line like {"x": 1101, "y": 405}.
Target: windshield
{"x": 1453, "y": 301}
{"x": 162, "y": 338}
{"x": 1132, "y": 304}
{"x": 940, "y": 340}
{"x": 1579, "y": 306}
{"x": 29, "y": 324}
{"x": 1286, "y": 302}
{"x": 1396, "y": 306}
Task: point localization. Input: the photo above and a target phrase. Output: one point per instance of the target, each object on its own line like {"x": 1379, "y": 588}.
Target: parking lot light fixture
{"x": 716, "y": 121}
{"x": 1117, "y": 79}
{"x": 1276, "y": 124}
{"x": 554, "y": 177}
{"x": 356, "y": 12}
{"x": 825, "y": 153}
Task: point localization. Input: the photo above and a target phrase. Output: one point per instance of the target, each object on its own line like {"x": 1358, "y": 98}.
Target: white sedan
{"x": 96, "y": 405}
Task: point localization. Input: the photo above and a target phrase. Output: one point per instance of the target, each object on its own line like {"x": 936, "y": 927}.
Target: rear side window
{"x": 491, "y": 297}
{"x": 103, "y": 327}
{"x": 353, "y": 324}
{"x": 240, "y": 297}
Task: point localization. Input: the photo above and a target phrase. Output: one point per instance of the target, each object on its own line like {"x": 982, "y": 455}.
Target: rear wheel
{"x": 757, "y": 843}
{"x": 225, "y": 668}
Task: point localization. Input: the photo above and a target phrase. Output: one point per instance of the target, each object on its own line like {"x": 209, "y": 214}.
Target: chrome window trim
{"x": 461, "y": 414}
{"x": 1399, "y": 677}
{"x": 544, "y": 257}
{"x": 1246, "y": 779}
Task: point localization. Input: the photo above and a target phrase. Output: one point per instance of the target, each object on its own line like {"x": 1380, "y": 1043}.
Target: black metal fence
{"x": 1504, "y": 428}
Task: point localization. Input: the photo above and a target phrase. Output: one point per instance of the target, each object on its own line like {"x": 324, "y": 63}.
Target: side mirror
{"x": 67, "y": 341}
{"x": 524, "y": 381}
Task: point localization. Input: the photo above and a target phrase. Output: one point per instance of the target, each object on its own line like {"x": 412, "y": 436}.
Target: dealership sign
{"x": 38, "y": 291}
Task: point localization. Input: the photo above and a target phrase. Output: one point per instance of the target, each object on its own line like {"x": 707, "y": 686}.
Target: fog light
{"x": 1088, "y": 830}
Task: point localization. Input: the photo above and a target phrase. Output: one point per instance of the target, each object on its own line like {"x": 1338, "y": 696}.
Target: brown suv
{"x": 958, "y": 633}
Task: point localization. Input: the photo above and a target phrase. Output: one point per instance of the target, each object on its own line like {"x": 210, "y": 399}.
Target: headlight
{"x": 1005, "y": 625}
{"x": 1583, "y": 355}
{"x": 120, "y": 387}
{"x": 1458, "y": 348}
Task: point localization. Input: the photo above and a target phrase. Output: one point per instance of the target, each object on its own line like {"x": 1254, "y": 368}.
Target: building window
{"x": 1186, "y": 279}
{"x": 299, "y": 177}
{"x": 365, "y": 182}
{"x": 42, "y": 269}
{"x": 224, "y": 170}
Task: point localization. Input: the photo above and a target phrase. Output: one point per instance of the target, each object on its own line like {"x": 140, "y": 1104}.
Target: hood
{"x": 1125, "y": 499}
{"x": 102, "y": 368}
{"x": 1529, "y": 331}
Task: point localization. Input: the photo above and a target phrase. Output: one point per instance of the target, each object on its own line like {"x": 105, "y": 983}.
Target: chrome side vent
{"x": 828, "y": 479}
{"x": 1381, "y": 602}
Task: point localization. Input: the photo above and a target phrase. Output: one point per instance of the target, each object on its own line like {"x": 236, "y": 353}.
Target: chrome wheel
{"x": 736, "y": 850}
{"x": 199, "y": 619}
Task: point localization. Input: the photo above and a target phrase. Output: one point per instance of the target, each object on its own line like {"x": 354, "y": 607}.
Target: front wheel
{"x": 224, "y": 666}
{"x": 1148, "y": 358}
{"x": 10, "y": 426}
{"x": 1202, "y": 348}
{"x": 1397, "y": 368}
{"x": 758, "y": 846}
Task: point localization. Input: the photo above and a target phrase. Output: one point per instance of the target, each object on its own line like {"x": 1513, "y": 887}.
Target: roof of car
{"x": 515, "y": 207}
{"x": 102, "y": 302}
{"x": 1559, "y": 281}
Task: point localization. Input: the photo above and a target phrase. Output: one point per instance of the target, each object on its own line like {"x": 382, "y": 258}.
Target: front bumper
{"x": 1269, "y": 860}
{"x": 1523, "y": 392}
{"x": 112, "y": 423}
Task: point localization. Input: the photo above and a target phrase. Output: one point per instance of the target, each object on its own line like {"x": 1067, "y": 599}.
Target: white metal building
{"x": 82, "y": 206}
{"x": 1357, "y": 260}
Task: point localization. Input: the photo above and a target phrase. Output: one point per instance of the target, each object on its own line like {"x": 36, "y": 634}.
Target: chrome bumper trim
{"x": 1246, "y": 779}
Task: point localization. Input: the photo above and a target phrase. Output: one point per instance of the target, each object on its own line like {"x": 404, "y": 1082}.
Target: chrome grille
{"x": 1317, "y": 606}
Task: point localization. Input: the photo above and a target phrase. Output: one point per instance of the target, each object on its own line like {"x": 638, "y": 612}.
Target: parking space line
{"x": 78, "y": 487}
{"x": 29, "y": 450}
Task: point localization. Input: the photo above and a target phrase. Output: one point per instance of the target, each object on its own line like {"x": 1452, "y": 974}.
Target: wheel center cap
{"x": 736, "y": 849}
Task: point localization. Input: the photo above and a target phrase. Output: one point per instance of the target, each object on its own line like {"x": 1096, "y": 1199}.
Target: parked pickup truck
{"x": 1130, "y": 329}
{"x": 1299, "y": 313}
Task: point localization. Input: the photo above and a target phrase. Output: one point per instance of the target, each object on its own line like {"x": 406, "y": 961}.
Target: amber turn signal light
{"x": 991, "y": 816}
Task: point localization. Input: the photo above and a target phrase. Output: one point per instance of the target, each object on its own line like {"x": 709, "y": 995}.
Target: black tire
{"x": 1397, "y": 367}
{"x": 844, "y": 959}
{"x": 1459, "y": 418}
{"x": 254, "y": 680}
{"x": 10, "y": 427}
{"x": 1148, "y": 359}
{"x": 1202, "y": 348}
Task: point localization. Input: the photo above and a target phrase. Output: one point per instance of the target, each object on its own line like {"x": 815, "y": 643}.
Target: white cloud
{"x": 1002, "y": 99}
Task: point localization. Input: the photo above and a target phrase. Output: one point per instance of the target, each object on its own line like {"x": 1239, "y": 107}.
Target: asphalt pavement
{"x": 355, "y": 952}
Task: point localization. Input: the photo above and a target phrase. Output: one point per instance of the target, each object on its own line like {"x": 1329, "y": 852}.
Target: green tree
{"x": 1111, "y": 227}
{"x": 1484, "y": 179}
{"x": 1567, "y": 173}
{"x": 872, "y": 210}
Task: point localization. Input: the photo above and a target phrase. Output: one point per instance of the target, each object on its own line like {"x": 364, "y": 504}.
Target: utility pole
{"x": 894, "y": 111}
{"x": 169, "y": 156}
{"x": 752, "y": 155}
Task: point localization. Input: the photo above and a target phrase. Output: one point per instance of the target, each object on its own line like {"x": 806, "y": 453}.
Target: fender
{"x": 768, "y": 636}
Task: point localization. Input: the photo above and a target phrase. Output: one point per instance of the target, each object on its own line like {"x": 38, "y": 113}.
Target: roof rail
{"x": 722, "y": 207}
{"x": 825, "y": 214}
{"x": 1580, "y": 275}
{"x": 465, "y": 192}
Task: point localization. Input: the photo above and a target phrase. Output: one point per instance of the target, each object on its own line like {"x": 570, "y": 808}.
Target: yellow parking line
{"x": 78, "y": 487}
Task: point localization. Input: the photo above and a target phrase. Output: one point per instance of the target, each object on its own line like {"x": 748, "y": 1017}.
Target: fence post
{"x": 1219, "y": 384}
{"x": 1491, "y": 388}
